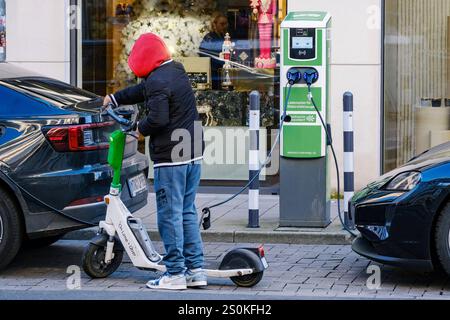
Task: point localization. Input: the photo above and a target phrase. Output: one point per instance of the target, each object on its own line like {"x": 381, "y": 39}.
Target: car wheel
{"x": 11, "y": 232}
{"x": 442, "y": 239}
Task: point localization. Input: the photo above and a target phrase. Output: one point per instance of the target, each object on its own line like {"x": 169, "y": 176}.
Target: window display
{"x": 227, "y": 47}
{"x": 181, "y": 25}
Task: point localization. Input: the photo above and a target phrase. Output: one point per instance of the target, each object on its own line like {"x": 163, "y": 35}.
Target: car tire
{"x": 442, "y": 239}
{"x": 11, "y": 230}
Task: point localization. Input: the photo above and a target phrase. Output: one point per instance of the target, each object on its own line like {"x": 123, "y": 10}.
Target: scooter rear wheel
{"x": 94, "y": 264}
{"x": 249, "y": 280}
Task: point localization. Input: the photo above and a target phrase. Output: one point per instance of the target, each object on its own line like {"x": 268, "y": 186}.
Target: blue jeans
{"x": 175, "y": 189}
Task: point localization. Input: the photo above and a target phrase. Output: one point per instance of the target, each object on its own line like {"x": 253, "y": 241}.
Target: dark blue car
{"x": 404, "y": 217}
{"x": 53, "y": 160}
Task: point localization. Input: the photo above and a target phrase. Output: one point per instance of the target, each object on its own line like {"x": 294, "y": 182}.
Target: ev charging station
{"x": 304, "y": 170}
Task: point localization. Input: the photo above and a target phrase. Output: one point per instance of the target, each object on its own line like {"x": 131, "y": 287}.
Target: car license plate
{"x": 264, "y": 262}
{"x": 137, "y": 184}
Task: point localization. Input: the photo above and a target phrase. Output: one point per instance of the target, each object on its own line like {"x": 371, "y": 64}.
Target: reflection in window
{"x": 417, "y": 90}
{"x": 196, "y": 33}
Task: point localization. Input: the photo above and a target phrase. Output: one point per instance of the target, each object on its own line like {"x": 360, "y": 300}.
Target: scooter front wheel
{"x": 94, "y": 261}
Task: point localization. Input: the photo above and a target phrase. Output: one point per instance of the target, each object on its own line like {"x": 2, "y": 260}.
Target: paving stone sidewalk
{"x": 298, "y": 271}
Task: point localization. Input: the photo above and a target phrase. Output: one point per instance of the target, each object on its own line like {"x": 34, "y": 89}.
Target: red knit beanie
{"x": 148, "y": 53}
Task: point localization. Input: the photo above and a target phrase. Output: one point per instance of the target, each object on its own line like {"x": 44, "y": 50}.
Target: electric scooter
{"x": 121, "y": 231}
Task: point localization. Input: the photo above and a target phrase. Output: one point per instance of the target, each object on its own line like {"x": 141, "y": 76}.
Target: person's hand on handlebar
{"x": 107, "y": 100}
{"x": 137, "y": 129}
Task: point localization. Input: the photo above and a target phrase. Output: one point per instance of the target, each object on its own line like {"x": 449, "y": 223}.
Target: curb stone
{"x": 275, "y": 237}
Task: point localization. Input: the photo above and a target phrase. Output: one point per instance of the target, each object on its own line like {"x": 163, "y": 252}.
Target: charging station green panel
{"x": 295, "y": 147}
{"x": 305, "y": 45}
{"x": 298, "y": 100}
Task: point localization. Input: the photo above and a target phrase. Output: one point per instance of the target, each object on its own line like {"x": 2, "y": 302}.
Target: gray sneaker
{"x": 196, "y": 278}
{"x": 168, "y": 282}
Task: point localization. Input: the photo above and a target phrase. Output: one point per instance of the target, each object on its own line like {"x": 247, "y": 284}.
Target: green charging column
{"x": 304, "y": 179}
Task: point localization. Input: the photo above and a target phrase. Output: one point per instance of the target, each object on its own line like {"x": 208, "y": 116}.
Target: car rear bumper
{"x": 85, "y": 182}
{"x": 365, "y": 248}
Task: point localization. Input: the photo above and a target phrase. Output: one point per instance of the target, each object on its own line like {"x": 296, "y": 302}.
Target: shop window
{"x": 195, "y": 32}
{"x": 417, "y": 71}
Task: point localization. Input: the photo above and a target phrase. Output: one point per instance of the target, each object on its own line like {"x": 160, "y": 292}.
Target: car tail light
{"x": 84, "y": 201}
{"x": 77, "y": 137}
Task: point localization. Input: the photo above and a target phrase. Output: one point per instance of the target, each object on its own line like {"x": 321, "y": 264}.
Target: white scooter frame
{"x": 117, "y": 223}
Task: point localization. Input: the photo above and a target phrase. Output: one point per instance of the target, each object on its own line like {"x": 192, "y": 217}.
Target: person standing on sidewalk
{"x": 176, "y": 148}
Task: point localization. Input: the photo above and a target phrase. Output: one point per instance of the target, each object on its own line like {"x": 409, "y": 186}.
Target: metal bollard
{"x": 349, "y": 170}
{"x": 254, "y": 165}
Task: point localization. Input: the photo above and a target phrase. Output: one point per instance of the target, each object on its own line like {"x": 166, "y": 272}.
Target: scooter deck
{"x": 208, "y": 264}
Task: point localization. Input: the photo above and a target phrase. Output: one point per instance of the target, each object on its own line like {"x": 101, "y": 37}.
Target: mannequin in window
{"x": 265, "y": 11}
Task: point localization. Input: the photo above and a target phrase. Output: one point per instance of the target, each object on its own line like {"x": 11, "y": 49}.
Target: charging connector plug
{"x": 294, "y": 76}
{"x": 310, "y": 77}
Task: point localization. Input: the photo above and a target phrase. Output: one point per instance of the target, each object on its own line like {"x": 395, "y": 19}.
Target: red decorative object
{"x": 266, "y": 11}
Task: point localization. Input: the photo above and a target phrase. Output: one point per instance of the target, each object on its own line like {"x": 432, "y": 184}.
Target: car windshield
{"x": 55, "y": 92}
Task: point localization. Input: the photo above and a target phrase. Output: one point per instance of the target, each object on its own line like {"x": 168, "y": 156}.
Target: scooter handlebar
{"x": 128, "y": 124}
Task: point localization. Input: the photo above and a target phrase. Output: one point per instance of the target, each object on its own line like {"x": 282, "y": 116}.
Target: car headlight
{"x": 404, "y": 182}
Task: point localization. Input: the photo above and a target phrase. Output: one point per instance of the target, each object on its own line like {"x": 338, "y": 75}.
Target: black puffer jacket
{"x": 173, "y": 124}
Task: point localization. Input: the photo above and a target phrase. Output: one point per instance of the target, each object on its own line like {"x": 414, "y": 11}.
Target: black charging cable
{"x": 330, "y": 143}
{"x": 293, "y": 78}
{"x": 44, "y": 204}
{"x": 205, "y": 220}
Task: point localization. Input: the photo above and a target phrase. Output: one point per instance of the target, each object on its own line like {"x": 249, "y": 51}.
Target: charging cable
{"x": 46, "y": 205}
{"x": 309, "y": 78}
{"x": 294, "y": 76}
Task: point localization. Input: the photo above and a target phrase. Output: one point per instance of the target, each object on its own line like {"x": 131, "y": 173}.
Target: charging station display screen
{"x": 302, "y": 42}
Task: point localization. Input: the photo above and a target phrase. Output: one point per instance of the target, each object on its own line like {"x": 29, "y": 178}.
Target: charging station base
{"x": 304, "y": 198}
